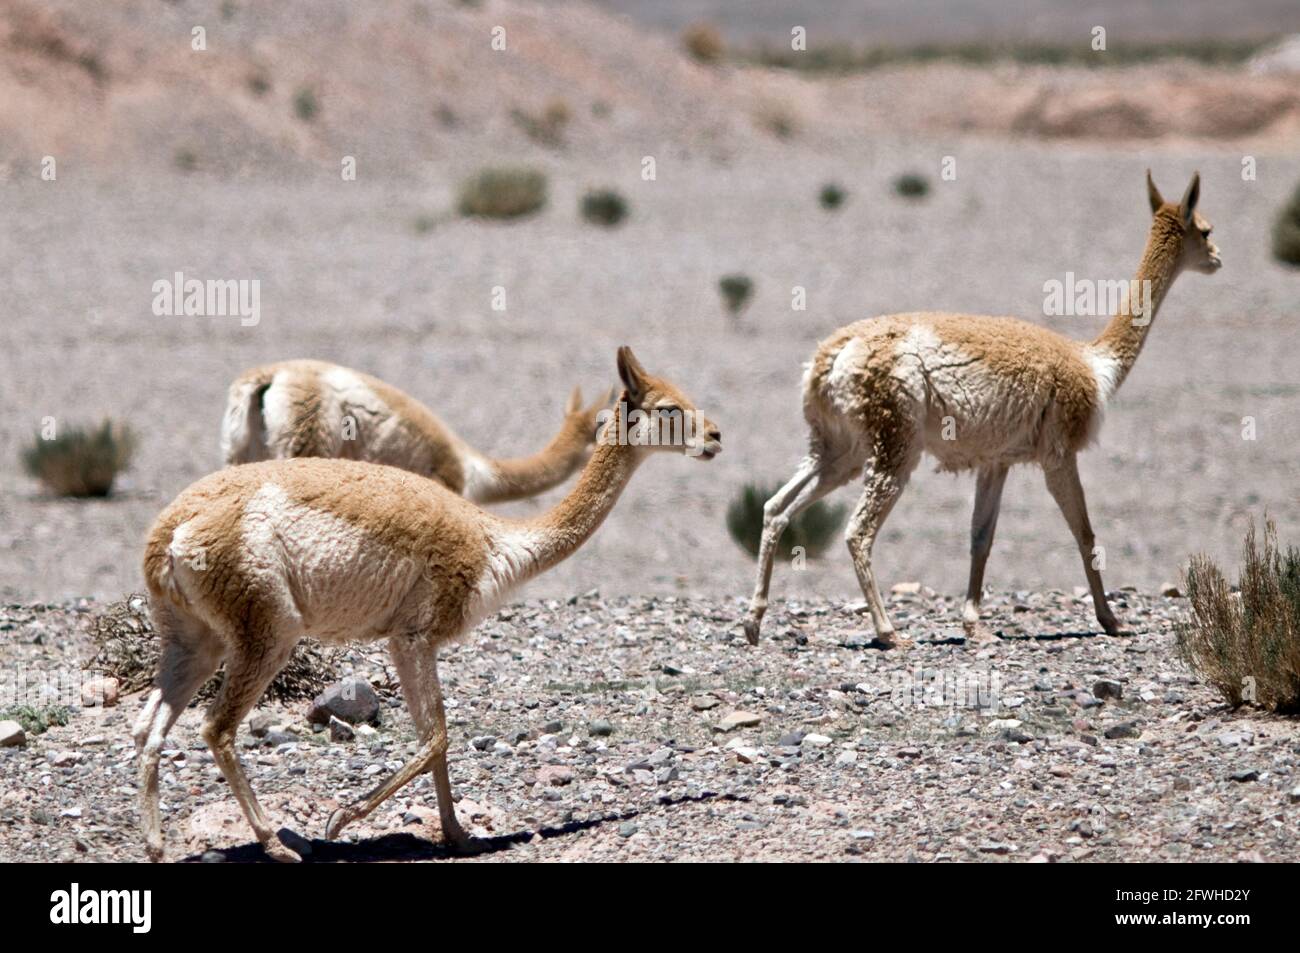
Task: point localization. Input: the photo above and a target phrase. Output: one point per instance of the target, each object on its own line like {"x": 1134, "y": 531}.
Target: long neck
{"x": 557, "y": 534}
{"x": 521, "y": 477}
{"x": 1127, "y": 330}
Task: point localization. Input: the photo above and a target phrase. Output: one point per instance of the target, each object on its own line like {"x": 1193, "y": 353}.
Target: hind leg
{"x": 256, "y": 660}
{"x": 886, "y": 476}
{"x": 810, "y": 483}
{"x": 190, "y": 654}
{"x": 983, "y": 523}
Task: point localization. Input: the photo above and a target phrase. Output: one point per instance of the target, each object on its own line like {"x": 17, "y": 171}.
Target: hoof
{"x": 1110, "y": 625}
{"x": 892, "y": 640}
{"x": 977, "y": 633}
{"x": 154, "y": 852}
{"x": 338, "y": 820}
{"x": 751, "y": 630}
{"x": 279, "y": 853}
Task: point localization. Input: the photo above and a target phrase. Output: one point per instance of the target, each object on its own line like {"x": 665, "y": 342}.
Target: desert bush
{"x": 604, "y": 207}
{"x": 546, "y": 127}
{"x": 258, "y": 84}
{"x": 35, "y": 719}
{"x": 736, "y": 291}
{"x": 126, "y": 647}
{"x": 704, "y": 42}
{"x": 911, "y": 185}
{"x": 503, "y": 192}
{"x": 305, "y": 105}
{"x": 1246, "y": 643}
{"x": 186, "y": 160}
{"x": 831, "y": 196}
{"x": 80, "y": 461}
{"x": 1286, "y": 232}
{"x": 777, "y": 119}
{"x": 813, "y": 529}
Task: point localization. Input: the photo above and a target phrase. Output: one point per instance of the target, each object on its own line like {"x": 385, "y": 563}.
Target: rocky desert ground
{"x": 170, "y": 159}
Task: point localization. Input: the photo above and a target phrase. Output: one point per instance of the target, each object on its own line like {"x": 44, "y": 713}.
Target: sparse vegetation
{"x": 258, "y": 84}
{"x": 126, "y": 647}
{"x": 548, "y": 126}
{"x": 186, "y": 160}
{"x": 831, "y": 196}
{"x": 911, "y": 185}
{"x": 305, "y": 105}
{"x": 1246, "y": 643}
{"x": 703, "y": 42}
{"x": 777, "y": 119}
{"x": 1286, "y": 232}
{"x": 736, "y": 290}
{"x": 813, "y": 529}
{"x": 37, "y": 720}
{"x": 424, "y": 223}
{"x": 503, "y": 193}
{"x": 604, "y": 207}
{"x": 80, "y": 461}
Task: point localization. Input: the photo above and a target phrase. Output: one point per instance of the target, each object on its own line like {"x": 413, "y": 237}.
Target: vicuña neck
{"x": 557, "y": 534}
{"x": 520, "y": 477}
{"x": 1127, "y": 330}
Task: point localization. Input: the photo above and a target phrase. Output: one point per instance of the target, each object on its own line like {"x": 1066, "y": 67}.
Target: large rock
{"x": 100, "y": 692}
{"x": 12, "y": 735}
{"x": 738, "y": 719}
{"x": 351, "y": 700}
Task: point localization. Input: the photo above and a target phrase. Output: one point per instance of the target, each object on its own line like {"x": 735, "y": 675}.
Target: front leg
{"x": 1063, "y": 483}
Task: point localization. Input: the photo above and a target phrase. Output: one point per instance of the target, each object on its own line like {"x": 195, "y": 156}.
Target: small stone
{"x": 600, "y": 728}
{"x": 365, "y": 731}
{"x": 817, "y": 741}
{"x": 554, "y": 775}
{"x": 1245, "y": 775}
{"x": 12, "y": 735}
{"x": 340, "y": 730}
{"x": 260, "y": 724}
{"x": 1170, "y": 591}
{"x": 1124, "y": 729}
{"x": 61, "y": 759}
{"x": 1295, "y": 794}
{"x": 746, "y": 754}
{"x": 910, "y": 753}
{"x": 792, "y": 739}
{"x": 627, "y": 829}
{"x": 995, "y": 848}
{"x": 906, "y": 588}
{"x": 552, "y": 727}
{"x": 353, "y": 700}
{"x": 738, "y": 719}
{"x": 846, "y": 758}
{"x": 483, "y": 742}
{"x": 99, "y": 692}
{"x": 213, "y": 857}
{"x": 1237, "y": 739}
{"x": 704, "y": 702}
{"x": 1105, "y": 688}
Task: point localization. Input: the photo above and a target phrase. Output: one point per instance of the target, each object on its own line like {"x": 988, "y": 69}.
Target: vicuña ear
{"x": 631, "y": 372}
{"x": 1188, "y": 205}
{"x": 1153, "y": 194}
{"x": 574, "y": 403}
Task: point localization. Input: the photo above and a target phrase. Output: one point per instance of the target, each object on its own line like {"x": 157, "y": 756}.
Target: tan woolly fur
{"x": 317, "y": 409}
{"x": 977, "y": 393}
{"x": 247, "y": 561}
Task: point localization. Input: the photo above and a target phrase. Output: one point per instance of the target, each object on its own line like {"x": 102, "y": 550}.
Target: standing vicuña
{"x": 248, "y": 560}
{"x": 316, "y": 409}
{"x": 979, "y": 394}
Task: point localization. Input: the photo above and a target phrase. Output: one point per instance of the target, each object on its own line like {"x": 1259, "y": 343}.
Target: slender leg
{"x": 1063, "y": 483}
{"x": 189, "y": 657}
{"x": 810, "y": 483}
{"x": 249, "y": 670}
{"x": 417, "y": 669}
{"x": 983, "y": 523}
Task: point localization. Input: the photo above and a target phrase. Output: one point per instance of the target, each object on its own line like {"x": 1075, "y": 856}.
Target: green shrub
{"x": 258, "y": 84}
{"x": 186, "y": 160}
{"x": 305, "y": 106}
{"x": 81, "y": 461}
{"x": 812, "y": 529}
{"x": 37, "y": 720}
{"x": 1286, "y": 232}
{"x": 703, "y": 42}
{"x": 604, "y": 207}
{"x": 910, "y": 185}
{"x": 1246, "y": 644}
{"x": 503, "y": 193}
{"x": 548, "y": 126}
{"x": 736, "y": 291}
{"x": 778, "y": 119}
{"x": 831, "y": 196}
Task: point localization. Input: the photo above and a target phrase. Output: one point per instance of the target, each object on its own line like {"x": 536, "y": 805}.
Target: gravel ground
{"x": 588, "y": 729}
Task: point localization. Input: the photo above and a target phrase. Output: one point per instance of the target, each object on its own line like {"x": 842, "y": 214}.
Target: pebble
{"x": 352, "y": 700}
{"x": 600, "y": 728}
{"x": 12, "y": 735}
{"x": 99, "y": 692}
{"x": 738, "y": 719}
{"x": 1124, "y": 729}
{"x": 1105, "y": 688}
{"x": 340, "y": 730}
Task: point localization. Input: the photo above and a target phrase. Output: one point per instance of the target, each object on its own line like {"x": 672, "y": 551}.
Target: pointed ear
{"x": 631, "y": 372}
{"x": 574, "y": 403}
{"x": 1153, "y": 194}
{"x": 1188, "y": 205}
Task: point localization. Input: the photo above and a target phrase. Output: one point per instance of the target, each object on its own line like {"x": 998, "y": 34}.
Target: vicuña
{"x": 316, "y": 409}
{"x": 346, "y": 550}
{"x": 978, "y": 393}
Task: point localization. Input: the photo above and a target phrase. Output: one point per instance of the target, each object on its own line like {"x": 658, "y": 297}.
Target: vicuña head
{"x": 248, "y": 561}
{"x": 653, "y": 415}
{"x": 1191, "y": 228}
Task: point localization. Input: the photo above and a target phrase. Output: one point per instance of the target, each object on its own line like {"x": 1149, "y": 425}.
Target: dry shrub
{"x": 503, "y": 193}
{"x": 81, "y": 461}
{"x": 704, "y": 42}
{"x": 604, "y": 207}
{"x": 548, "y": 126}
{"x": 813, "y": 529}
{"x": 777, "y": 119}
{"x": 736, "y": 290}
{"x": 126, "y": 647}
{"x": 1247, "y": 643}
